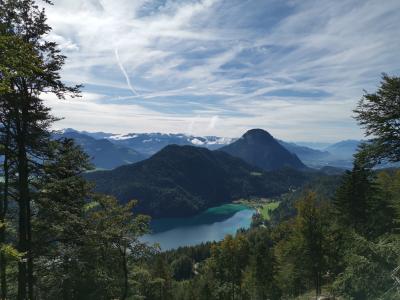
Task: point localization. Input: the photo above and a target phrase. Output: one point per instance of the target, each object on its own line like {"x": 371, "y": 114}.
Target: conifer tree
{"x": 24, "y": 22}
{"x": 360, "y": 205}
{"x": 59, "y": 225}
{"x": 352, "y": 197}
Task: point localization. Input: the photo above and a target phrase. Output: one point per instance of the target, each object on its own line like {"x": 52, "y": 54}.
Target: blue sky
{"x": 221, "y": 67}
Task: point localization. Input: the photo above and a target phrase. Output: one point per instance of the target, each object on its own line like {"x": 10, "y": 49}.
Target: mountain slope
{"x": 305, "y": 153}
{"x": 96, "y": 135}
{"x": 183, "y": 180}
{"x": 257, "y": 147}
{"x": 104, "y": 154}
{"x": 344, "y": 149}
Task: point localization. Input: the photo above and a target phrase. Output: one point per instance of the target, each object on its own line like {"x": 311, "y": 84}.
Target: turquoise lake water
{"x": 211, "y": 225}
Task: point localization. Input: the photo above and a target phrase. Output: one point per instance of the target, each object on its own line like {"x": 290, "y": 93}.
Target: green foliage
{"x": 29, "y": 67}
{"x": 362, "y": 205}
{"x": 307, "y": 238}
{"x": 268, "y": 208}
{"x": 379, "y": 114}
{"x": 369, "y": 266}
{"x": 182, "y": 268}
{"x": 389, "y": 190}
{"x": 11, "y": 252}
{"x": 324, "y": 186}
{"x": 17, "y": 59}
{"x": 83, "y": 242}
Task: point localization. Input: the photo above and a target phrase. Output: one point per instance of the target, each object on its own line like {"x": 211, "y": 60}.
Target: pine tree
{"x": 360, "y": 205}
{"x": 352, "y": 197}
{"x": 59, "y": 225}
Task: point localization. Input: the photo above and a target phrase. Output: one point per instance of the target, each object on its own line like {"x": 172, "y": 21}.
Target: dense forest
{"x": 61, "y": 240}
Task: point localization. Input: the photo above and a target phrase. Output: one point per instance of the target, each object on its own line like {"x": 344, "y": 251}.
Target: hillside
{"x": 307, "y": 155}
{"x": 344, "y": 149}
{"x": 258, "y": 148}
{"x": 103, "y": 153}
{"x": 183, "y": 180}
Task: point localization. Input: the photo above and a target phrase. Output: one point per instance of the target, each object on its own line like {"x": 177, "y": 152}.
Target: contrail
{"x": 128, "y": 81}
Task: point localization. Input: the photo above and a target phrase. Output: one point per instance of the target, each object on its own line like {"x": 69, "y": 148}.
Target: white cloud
{"x": 224, "y": 60}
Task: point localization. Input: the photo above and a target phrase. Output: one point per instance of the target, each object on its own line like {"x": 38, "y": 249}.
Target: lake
{"x": 211, "y": 225}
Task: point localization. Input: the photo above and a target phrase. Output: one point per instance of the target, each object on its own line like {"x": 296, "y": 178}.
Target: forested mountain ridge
{"x": 183, "y": 180}
{"x": 257, "y": 147}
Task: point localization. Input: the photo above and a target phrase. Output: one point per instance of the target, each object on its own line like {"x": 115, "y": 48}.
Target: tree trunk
{"x": 30, "y": 254}
{"x": 3, "y": 209}
{"x": 125, "y": 269}
{"x": 23, "y": 202}
{"x": 22, "y": 230}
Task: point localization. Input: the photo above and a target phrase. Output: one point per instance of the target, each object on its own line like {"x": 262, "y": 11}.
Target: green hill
{"x": 184, "y": 180}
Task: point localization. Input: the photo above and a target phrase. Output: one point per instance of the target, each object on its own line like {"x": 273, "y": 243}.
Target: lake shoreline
{"x": 210, "y": 225}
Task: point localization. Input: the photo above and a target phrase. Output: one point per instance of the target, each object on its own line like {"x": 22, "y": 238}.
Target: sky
{"x": 220, "y": 67}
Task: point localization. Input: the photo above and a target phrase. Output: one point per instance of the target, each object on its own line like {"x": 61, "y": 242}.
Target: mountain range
{"x": 146, "y": 144}
{"x": 103, "y": 153}
{"x": 150, "y": 143}
{"x": 184, "y": 180}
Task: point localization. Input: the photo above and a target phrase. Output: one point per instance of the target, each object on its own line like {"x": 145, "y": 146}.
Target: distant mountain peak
{"x": 261, "y": 149}
{"x": 258, "y": 134}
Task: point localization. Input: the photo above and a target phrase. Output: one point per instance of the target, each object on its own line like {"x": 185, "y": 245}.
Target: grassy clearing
{"x": 267, "y": 208}
{"x": 263, "y": 206}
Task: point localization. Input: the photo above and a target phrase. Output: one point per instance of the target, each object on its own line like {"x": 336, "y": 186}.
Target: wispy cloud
{"x": 295, "y": 68}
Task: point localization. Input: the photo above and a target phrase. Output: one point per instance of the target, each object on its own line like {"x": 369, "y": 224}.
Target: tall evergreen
{"x": 352, "y": 197}
{"x": 360, "y": 204}
{"x": 17, "y": 59}
{"x": 30, "y": 119}
{"x": 59, "y": 225}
